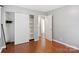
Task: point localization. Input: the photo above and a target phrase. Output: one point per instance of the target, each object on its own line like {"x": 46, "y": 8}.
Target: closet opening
{"x": 9, "y": 25}
{"x": 31, "y": 27}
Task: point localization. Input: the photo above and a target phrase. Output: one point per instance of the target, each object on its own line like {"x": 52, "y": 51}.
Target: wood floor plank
{"x": 35, "y": 47}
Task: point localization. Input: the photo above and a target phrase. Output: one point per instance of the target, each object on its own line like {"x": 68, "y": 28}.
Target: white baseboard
{"x": 49, "y": 39}
{"x": 66, "y": 44}
{"x": 21, "y": 42}
{"x": 2, "y": 48}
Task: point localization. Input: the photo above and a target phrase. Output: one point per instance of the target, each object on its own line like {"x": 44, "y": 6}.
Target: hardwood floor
{"x": 35, "y": 47}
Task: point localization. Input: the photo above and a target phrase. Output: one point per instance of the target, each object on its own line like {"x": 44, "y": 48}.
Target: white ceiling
{"x": 43, "y": 8}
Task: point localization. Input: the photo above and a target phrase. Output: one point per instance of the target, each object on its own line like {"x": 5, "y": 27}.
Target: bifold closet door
{"x": 21, "y": 28}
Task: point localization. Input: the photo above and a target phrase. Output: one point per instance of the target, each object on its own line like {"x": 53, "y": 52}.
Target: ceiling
{"x": 43, "y": 8}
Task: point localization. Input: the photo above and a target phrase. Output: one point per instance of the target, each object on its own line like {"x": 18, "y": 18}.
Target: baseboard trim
{"x": 66, "y": 44}
{"x": 2, "y": 48}
{"x": 21, "y": 42}
{"x": 48, "y": 39}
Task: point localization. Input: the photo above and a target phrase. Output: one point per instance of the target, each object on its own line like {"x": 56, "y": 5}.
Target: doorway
{"x": 42, "y": 26}
{"x": 9, "y": 23}
{"x": 42, "y": 31}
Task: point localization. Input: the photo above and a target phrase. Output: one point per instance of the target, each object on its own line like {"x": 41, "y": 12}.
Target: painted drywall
{"x": 3, "y": 19}
{"x": 2, "y": 44}
{"x": 66, "y": 25}
{"x": 21, "y": 28}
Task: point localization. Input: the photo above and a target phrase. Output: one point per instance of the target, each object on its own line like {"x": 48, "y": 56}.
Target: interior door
{"x": 49, "y": 27}
{"x": 21, "y": 28}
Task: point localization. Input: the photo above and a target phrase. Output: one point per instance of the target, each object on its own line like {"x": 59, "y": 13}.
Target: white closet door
{"x": 36, "y": 32}
{"x": 21, "y": 28}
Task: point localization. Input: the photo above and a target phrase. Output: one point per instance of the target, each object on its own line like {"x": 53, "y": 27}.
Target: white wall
{"x": 3, "y": 19}
{"x": 66, "y": 25}
{"x": 2, "y": 44}
{"x": 21, "y": 28}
